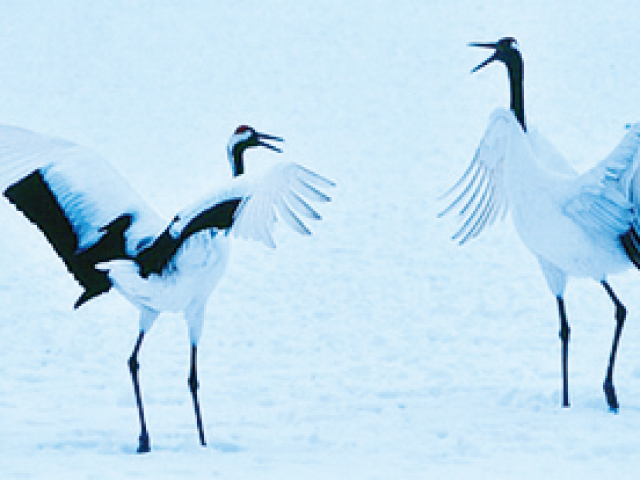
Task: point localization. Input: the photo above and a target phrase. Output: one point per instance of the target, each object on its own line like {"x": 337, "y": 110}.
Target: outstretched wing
{"x": 607, "y": 198}
{"x": 480, "y": 194}
{"x": 246, "y": 208}
{"x": 86, "y": 210}
{"x": 282, "y": 192}
{"x": 92, "y": 193}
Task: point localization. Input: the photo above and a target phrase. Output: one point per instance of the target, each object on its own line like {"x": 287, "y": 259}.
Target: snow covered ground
{"x": 375, "y": 349}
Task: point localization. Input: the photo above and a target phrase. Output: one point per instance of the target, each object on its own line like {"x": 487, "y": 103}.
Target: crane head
{"x": 246, "y": 137}
{"x": 505, "y": 51}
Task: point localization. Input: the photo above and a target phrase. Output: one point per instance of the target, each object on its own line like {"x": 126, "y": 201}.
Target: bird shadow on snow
{"x": 221, "y": 447}
{"x": 91, "y": 441}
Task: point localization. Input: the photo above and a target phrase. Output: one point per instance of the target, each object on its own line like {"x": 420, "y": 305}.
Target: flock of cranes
{"x": 107, "y": 236}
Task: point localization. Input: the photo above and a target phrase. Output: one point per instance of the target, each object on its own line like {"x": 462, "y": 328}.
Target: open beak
{"x": 264, "y": 136}
{"x": 488, "y": 60}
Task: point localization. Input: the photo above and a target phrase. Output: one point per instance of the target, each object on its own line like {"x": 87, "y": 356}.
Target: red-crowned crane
{"x": 108, "y": 236}
{"x": 582, "y": 225}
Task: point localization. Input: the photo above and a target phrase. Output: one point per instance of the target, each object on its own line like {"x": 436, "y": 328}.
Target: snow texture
{"x": 377, "y": 348}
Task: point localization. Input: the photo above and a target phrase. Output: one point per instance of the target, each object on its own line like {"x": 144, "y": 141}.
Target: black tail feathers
{"x": 110, "y": 247}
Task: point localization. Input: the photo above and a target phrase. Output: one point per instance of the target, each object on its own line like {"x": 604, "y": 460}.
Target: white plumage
{"x": 576, "y": 225}
{"x": 281, "y": 194}
{"x": 570, "y": 220}
{"x": 89, "y": 189}
{"x": 199, "y": 263}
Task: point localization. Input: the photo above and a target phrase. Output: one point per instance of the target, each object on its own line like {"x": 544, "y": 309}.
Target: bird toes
{"x": 610, "y": 394}
{"x": 144, "y": 445}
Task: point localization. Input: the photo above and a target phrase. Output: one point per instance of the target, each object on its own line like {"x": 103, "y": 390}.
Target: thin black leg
{"x": 565, "y": 332}
{"x": 621, "y": 314}
{"x": 144, "y": 446}
{"x": 193, "y": 387}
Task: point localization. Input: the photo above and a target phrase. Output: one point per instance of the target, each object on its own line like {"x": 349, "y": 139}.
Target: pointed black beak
{"x": 488, "y": 60}
{"x": 264, "y": 136}
{"x": 484, "y": 45}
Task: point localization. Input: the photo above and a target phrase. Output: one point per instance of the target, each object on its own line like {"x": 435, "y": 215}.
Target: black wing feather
{"x": 33, "y": 197}
{"x": 156, "y": 258}
{"x": 219, "y": 216}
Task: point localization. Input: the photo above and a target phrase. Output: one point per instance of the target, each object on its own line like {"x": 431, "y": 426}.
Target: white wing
{"x": 608, "y": 196}
{"x": 547, "y": 155}
{"x": 280, "y": 192}
{"x": 88, "y": 189}
{"x": 481, "y": 194}
{"x": 23, "y": 151}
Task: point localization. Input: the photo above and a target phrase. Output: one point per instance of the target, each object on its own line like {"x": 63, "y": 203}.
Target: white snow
{"x": 375, "y": 349}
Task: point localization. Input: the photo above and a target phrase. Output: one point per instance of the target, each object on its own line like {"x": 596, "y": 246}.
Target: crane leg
{"x": 621, "y": 314}
{"x": 193, "y": 387}
{"x": 565, "y": 333}
{"x": 144, "y": 445}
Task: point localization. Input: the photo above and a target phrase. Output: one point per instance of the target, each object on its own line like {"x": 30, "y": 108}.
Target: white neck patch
{"x": 237, "y": 138}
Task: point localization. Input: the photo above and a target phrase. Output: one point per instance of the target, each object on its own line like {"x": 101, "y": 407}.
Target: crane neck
{"x": 515, "y": 67}
{"x": 236, "y": 159}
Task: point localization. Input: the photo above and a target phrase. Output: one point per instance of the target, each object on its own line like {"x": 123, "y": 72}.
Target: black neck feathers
{"x": 237, "y": 160}
{"x": 515, "y": 67}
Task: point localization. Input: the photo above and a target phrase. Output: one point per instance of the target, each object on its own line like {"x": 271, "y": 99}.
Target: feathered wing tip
{"x": 282, "y": 192}
{"x": 482, "y": 197}
{"x": 479, "y": 202}
{"x": 620, "y": 167}
{"x": 608, "y": 200}
{"x": 632, "y": 180}
{"x": 623, "y": 166}
{"x": 22, "y": 152}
